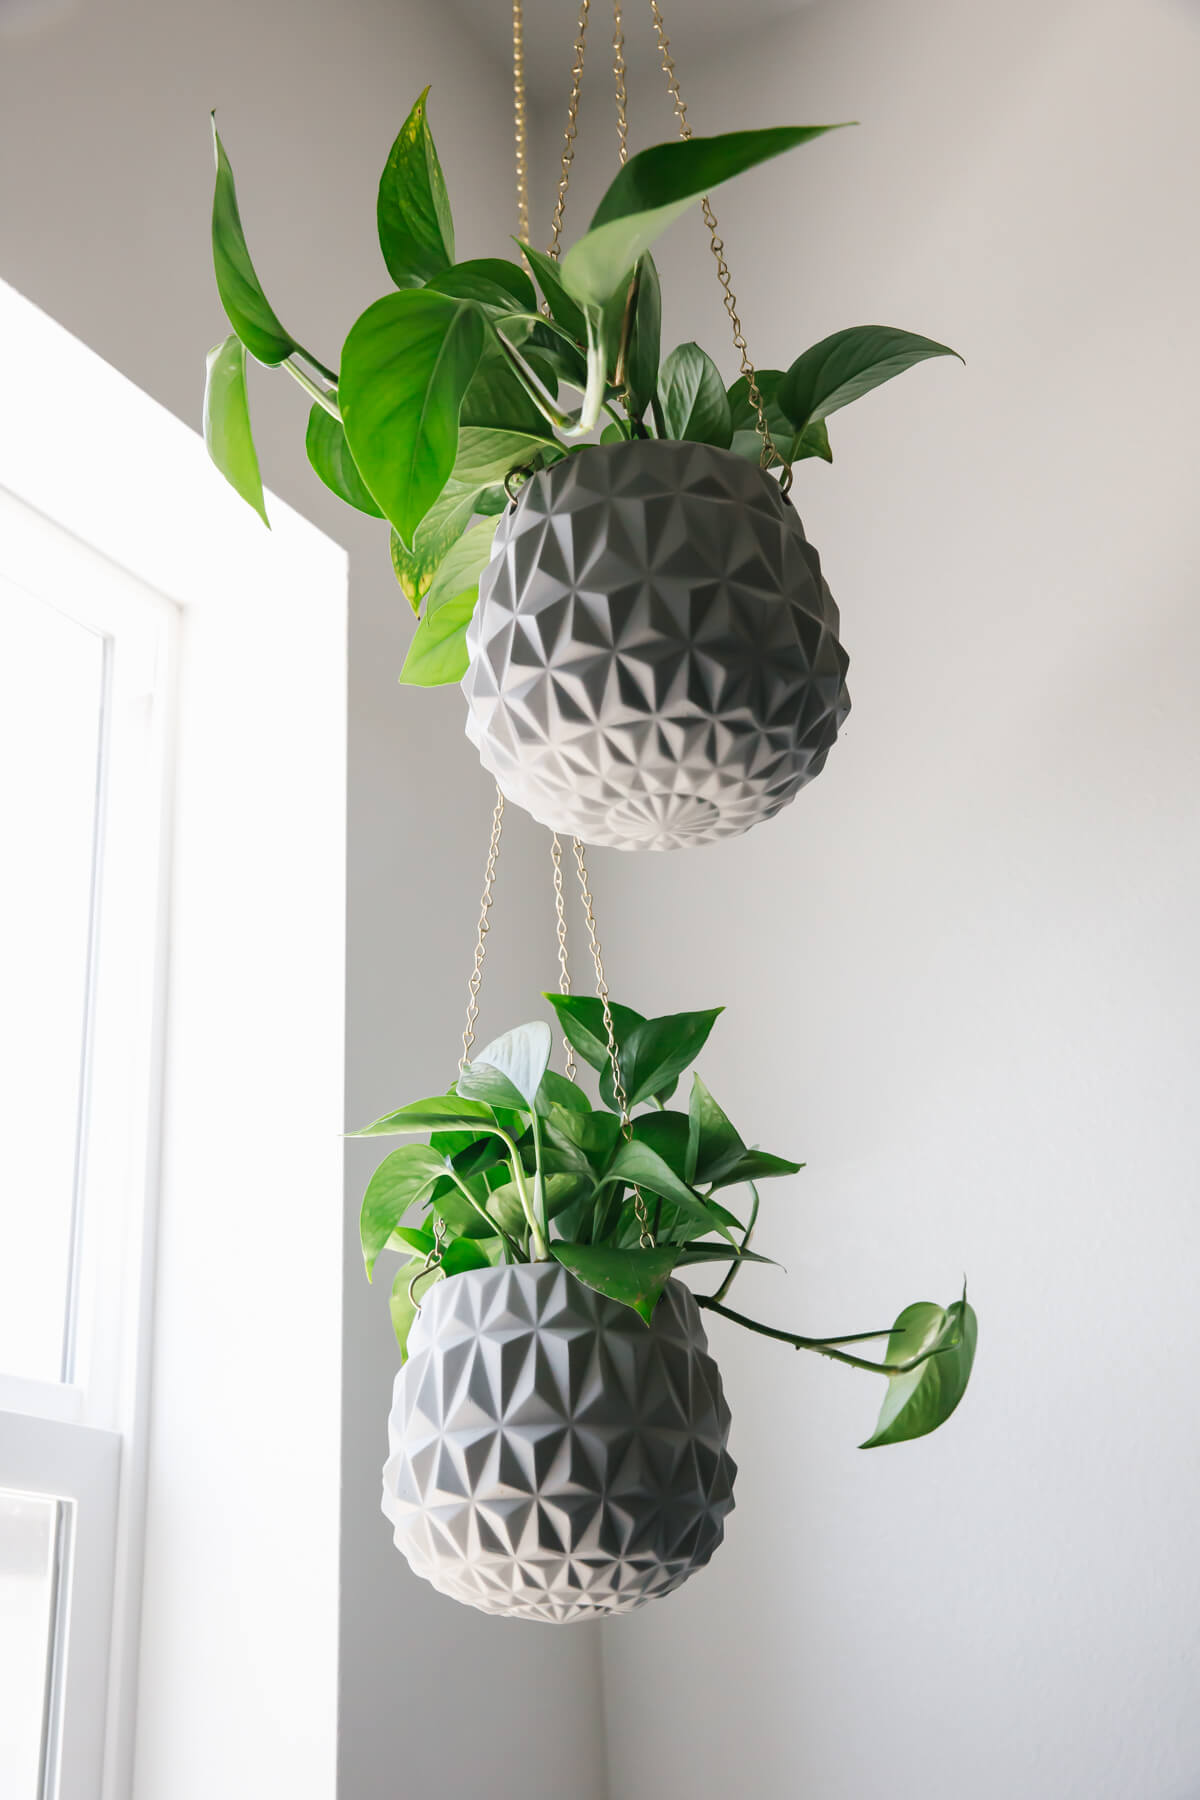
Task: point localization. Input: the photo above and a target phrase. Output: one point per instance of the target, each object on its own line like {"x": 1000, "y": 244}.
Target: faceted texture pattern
{"x": 654, "y": 656}
{"x": 552, "y": 1457}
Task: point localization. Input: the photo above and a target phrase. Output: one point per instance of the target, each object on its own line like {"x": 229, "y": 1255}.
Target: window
{"x": 169, "y": 1474}
{"x": 86, "y": 658}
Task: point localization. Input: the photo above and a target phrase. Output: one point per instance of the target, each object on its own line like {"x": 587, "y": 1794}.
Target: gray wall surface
{"x": 961, "y": 970}
{"x": 104, "y": 201}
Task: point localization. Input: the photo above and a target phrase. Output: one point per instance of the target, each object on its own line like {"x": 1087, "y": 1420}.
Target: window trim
{"x": 259, "y": 794}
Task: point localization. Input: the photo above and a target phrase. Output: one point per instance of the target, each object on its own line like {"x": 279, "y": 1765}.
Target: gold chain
{"x": 645, "y": 1235}
{"x": 572, "y": 129}
{"x": 436, "y": 1252}
{"x": 564, "y": 973}
{"x": 485, "y": 906}
{"x": 619, "y": 72}
{"x": 769, "y": 452}
{"x": 519, "y": 122}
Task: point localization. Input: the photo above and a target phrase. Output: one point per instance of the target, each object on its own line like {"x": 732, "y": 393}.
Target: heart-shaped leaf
{"x": 549, "y": 278}
{"x": 487, "y": 454}
{"x": 634, "y": 1277}
{"x": 406, "y": 367}
{"x": 227, "y": 434}
{"x": 438, "y": 653}
{"x": 246, "y": 305}
{"x": 494, "y": 283}
{"x": 329, "y": 454}
{"x": 848, "y": 364}
{"x": 459, "y": 570}
{"x": 401, "y": 1181}
{"x": 755, "y": 1165}
{"x": 654, "y": 188}
{"x": 645, "y": 339}
{"x": 692, "y": 395}
{"x": 521, "y": 1057}
{"x": 582, "y": 1022}
{"x": 556, "y": 1090}
{"x": 442, "y": 526}
{"x": 918, "y": 1402}
{"x": 714, "y": 1146}
{"x": 416, "y": 231}
{"x": 656, "y": 1052}
{"x": 444, "y": 1112}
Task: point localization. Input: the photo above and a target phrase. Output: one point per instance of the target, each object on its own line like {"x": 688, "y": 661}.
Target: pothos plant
{"x": 452, "y": 386}
{"x": 518, "y": 1166}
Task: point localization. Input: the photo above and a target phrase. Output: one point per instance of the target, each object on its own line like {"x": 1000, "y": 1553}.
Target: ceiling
{"x": 696, "y": 28}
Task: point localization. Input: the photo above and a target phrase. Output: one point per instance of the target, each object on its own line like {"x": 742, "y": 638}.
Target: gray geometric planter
{"x": 552, "y": 1457}
{"x": 654, "y": 656}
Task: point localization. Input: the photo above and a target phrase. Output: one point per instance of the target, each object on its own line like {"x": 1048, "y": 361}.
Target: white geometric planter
{"x": 654, "y": 656}
{"x": 552, "y": 1457}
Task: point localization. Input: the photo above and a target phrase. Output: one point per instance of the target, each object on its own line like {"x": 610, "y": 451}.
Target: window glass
{"x": 52, "y": 679}
{"x": 30, "y": 1528}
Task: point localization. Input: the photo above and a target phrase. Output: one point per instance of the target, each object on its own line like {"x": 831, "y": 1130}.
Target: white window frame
{"x": 210, "y": 1461}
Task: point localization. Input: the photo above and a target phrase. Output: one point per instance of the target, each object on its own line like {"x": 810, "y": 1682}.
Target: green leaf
{"x": 520, "y": 1058}
{"x": 445, "y": 1112}
{"x": 645, "y": 339}
{"x": 487, "y": 455}
{"x": 246, "y": 306}
{"x": 438, "y": 653}
{"x": 653, "y": 189}
{"x": 714, "y": 1146}
{"x": 634, "y": 1277}
{"x": 595, "y": 1133}
{"x": 582, "y": 1022}
{"x": 441, "y": 528}
{"x": 656, "y": 1052}
{"x": 549, "y": 278}
{"x": 227, "y": 431}
{"x": 693, "y": 398}
{"x": 559, "y": 1190}
{"x": 850, "y": 363}
{"x": 667, "y": 1133}
{"x": 640, "y": 1165}
{"x": 812, "y": 441}
{"x": 416, "y": 231}
{"x": 459, "y": 570}
{"x": 489, "y": 280}
{"x": 329, "y": 454}
{"x": 746, "y": 440}
{"x": 401, "y": 1181}
{"x": 917, "y": 1403}
{"x": 556, "y": 1090}
{"x": 755, "y": 1165}
{"x": 690, "y": 1255}
{"x": 406, "y": 367}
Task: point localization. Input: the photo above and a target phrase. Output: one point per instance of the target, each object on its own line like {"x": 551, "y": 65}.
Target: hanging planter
{"x": 552, "y": 1457}
{"x": 558, "y": 1433}
{"x": 654, "y": 660}
{"x": 650, "y": 651}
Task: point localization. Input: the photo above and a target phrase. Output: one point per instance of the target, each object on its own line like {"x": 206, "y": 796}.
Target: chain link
{"x": 485, "y": 906}
{"x": 619, "y": 72}
{"x": 770, "y": 453}
{"x": 572, "y": 129}
{"x": 520, "y": 130}
{"x": 645, "y": 1235}
{"x": 564, "y": 973}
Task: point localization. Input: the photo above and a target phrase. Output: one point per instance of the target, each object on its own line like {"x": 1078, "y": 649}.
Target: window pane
{"x": 29, "y": 1544}
{"x": 51, "y": 700}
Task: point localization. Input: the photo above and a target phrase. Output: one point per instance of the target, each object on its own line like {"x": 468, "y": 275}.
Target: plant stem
{"x": 749, "y": 1233}
{"x": 825, "y": 1346}
{"x": 656, "y": 413}
{"x": 537, "y": 1242}
{"x": 321, "y": 395}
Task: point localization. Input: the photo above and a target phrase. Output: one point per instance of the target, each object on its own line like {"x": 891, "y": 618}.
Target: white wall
{"x": 961, "y": 969}
{"x": 103, "y": 221}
